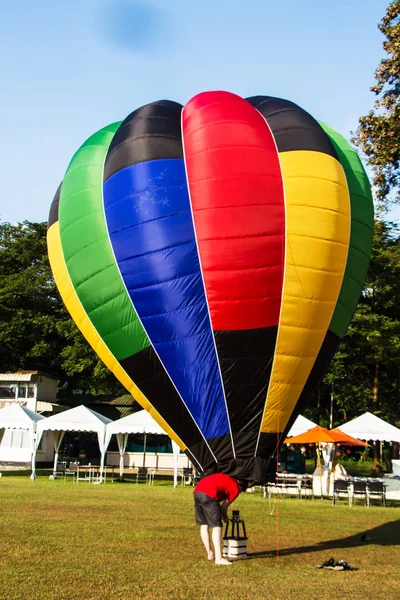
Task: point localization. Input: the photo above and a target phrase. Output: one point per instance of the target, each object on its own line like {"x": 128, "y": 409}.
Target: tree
{"x": 378, "y": 134}
{"x": 365, "y": 373}
{"x": 36, "y": 331}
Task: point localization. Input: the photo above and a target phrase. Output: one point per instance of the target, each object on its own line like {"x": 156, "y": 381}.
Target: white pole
{"x": 144, "y": 449}
{"x": 176, "y": 450}
{"x": 122, "y": 439}
{"x": 103, "y": 455}
{"x": 58, "y": 437}
{"x": 33, "y": 474}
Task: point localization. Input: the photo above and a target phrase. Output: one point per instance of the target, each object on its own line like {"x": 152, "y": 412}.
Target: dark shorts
{"x": 207, "y": 510}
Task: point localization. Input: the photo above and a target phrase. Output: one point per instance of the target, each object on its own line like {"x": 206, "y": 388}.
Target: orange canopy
{"x": 330, "y": 436}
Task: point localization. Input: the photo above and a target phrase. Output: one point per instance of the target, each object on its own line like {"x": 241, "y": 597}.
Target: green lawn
{"x": 66, "y": 541}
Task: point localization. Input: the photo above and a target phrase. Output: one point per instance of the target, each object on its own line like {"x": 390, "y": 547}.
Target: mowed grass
{"x": 63, "y": 540}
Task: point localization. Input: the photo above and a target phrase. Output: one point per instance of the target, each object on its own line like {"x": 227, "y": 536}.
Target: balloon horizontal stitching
{"x": 135, "y": 119}
{"x": 253, "y": 299}
{"x": 317, "y": 178}
{"x": 80, "y": 191}
{"x": 235, "y": 176}
{"x": 235, "y": 122}
{"x": 242, "y": 206}
{"x": 260, "y": 357}
{"x": 178, "y": 340}
{"x": 330, "y": 271}
{"x": 218, "y": 102}
{"x": 141, "y": 137}
{"x": 157, "y": 250}
{"x": 151, "y": 189}
{"x": 294, "y": 128}
{"x": 265, "y": 298}
{"x": 99, "y": 240}
{"x": 324, "y": 208}
{"x": 198, "y": 302}
{"x": 241, "y": 237}
{"x": 148, "y": 118}
{"x": 304, "y": 328}
{"x": 316, "y": 237}
{"x": 360, "y": 221}
{"x": 92, "y": 146}
{"x": 294, "y": 108}
{"x": 103, "y": 304}
{"x": 240, "y": 147}
{"x": 357, "y": 249}
{"x": 113, "y": 333}
{"x": 141, "y": 223}
{"x": 84, "y": 167}
{"x": 94, "y": 273}
{"x": 242, "y": 269}
{"x": 183, "y": 276}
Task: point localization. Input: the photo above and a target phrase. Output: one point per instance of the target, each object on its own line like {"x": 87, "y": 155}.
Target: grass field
{"x": 68, "y": 541}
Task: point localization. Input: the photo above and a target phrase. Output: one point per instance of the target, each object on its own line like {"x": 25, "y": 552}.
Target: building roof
{"x": 23, "y": 376}
{"x": 109, "y": 405}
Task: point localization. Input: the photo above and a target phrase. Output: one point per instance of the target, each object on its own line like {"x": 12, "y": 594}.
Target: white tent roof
{"x": 300, "y": 425}
{"x": 79, "y": 418}
{"x": 16, "y": 416}
{"x": 139, "y": 422}
{"x": 371, "y": 427}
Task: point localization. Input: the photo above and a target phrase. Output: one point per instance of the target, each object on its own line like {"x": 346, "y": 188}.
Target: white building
{"x": 29, "y": 388}
{"x": 37, "y": 392}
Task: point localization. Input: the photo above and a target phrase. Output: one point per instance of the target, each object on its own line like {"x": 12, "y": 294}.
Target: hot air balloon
{"x": 213, "y": 254}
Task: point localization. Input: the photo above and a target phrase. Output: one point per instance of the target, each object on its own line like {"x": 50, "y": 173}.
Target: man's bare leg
{"x": 205, "y": 538}
{"x": 216, "y": 538}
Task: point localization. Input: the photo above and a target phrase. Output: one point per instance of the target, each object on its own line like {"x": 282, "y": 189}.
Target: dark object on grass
{"x": 340, "y": 565}
{"x": 327, "y": 563}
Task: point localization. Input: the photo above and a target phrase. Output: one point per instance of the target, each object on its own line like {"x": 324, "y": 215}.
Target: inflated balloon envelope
{"x": 213, "y": 256}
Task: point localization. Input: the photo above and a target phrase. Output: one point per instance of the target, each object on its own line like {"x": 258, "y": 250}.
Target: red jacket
{"x": 219, "y": 486}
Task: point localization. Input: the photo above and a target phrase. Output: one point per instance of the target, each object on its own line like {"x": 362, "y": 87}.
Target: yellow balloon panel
{"x": 317, "y": 206}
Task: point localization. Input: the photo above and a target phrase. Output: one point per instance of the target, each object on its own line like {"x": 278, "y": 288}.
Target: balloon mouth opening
{"x": 248, "y": 472}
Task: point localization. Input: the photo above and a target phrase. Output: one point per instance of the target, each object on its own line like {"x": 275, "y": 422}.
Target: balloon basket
{"x": 235, "y": 540}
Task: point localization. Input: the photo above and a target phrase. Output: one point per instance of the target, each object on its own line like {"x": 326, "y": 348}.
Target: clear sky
{"x": 70, "y": 67}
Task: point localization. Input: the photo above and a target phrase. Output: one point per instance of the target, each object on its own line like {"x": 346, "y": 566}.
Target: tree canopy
{"x": 378, "y": 134}
{"x": 365, "y": 373}
{"x": 36, "y": 332}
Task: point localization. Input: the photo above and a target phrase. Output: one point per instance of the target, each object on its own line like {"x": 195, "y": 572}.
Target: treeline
{"x": 36, "y": 331}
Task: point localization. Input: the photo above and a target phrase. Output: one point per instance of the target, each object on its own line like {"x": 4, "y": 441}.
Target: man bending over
{"x": 212, "y": 496}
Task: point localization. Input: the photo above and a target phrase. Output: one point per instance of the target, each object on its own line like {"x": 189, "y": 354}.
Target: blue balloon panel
{"x": 150, "y": 225}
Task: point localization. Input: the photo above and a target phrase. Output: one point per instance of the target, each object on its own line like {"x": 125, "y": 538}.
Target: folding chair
{"x": 291, "y": 485}
{"x": 341, "y": 488}
{"x": 376, "y": 489}
{"x": 61, "y": 468}
{"x": 306, "y": 487}
{"x": 280, "y": 485}
{"x": 72, "y": 471}
{"x": 359, "y": 490}
{"x": 142, "y": 473}
{"x": 187, "y": 476}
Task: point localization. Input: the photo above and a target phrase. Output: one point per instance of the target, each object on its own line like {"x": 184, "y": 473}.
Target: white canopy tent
{"x": 79, "y": 418}
{"x": 140, "y": 422}
{"x": 19, "y": 417}
{"x": 301, "y": 425}
{"x": 370, "y": 427}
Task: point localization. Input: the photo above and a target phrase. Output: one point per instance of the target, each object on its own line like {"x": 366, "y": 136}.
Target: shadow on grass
{"x": 387, "y": 534}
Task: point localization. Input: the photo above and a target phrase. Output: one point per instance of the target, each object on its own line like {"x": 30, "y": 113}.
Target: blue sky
{"x": 70, "y": 67}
